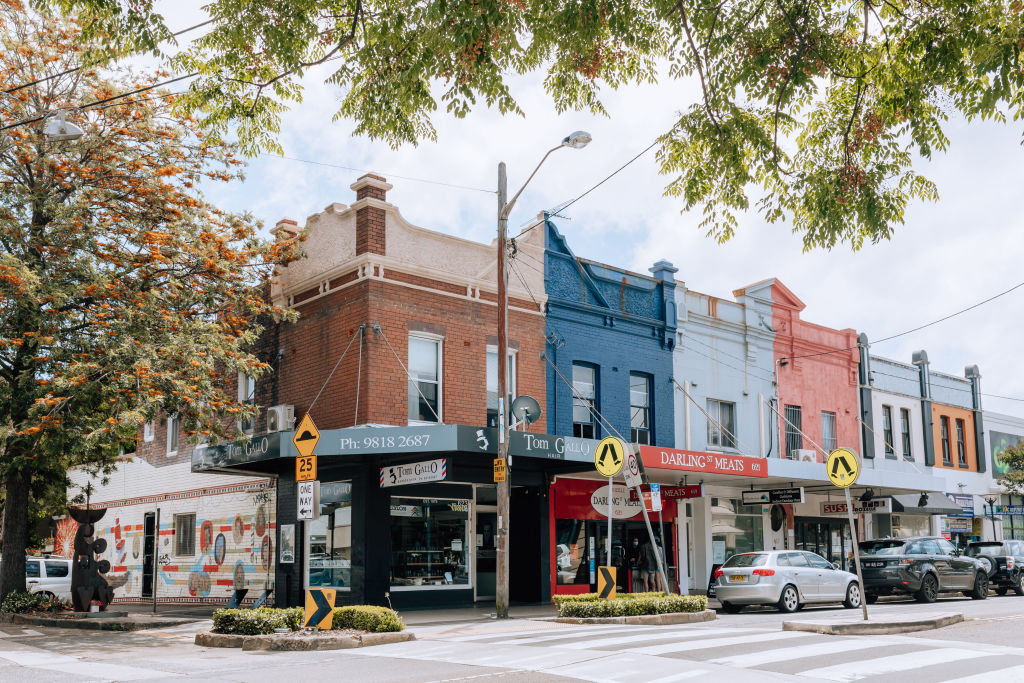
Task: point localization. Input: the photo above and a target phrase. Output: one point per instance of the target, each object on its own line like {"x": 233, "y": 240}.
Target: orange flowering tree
{"x": 124, "y": 295}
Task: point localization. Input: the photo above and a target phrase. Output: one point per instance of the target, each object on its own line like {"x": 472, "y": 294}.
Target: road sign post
{"x": 609, "y": 456}
{"x": 305, "y": 468}
{"x": 304, "y": 499}
{"x": 632, "y": 475}
{"x": 843, "y": 469}
{"x": 319, "y": 612}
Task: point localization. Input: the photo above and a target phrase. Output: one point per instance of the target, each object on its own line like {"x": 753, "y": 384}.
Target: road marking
{"x": 52, "y": 661}
{"x": 689, "y": 645}
{"x": 649, "y": 635}
{"x": 1013, "y": 673}
{"x": 798, "y": 652}
{"x": 852, "y": 671}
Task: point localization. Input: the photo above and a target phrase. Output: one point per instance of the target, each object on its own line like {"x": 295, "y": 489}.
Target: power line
{"x": 389, "y": 175}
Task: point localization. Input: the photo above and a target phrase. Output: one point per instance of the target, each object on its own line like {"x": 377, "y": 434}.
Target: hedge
{"x": 263, "y": 621}
{"x": 592, "y": 597}
{"x": 632, "y": 606}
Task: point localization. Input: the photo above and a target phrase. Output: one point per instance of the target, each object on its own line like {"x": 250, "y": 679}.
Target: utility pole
{"x": 504, "y": 487}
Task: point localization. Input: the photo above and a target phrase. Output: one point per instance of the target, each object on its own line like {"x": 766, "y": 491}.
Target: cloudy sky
{"x": 948, "y": 255}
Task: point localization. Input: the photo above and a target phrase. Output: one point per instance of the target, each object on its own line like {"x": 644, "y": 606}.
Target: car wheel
{"x": 989, "y": 564}
{"x": 930, "y": 589}
{"x": 1018, "y": 585}
{"x": 870, "y": 598}
{"x": 731, "y": 608}
{"x": 1002, "y": 590}
{"x": 852, "y": 596}
{"x": 789, "y": 601}
{"x": 980, "y": 591}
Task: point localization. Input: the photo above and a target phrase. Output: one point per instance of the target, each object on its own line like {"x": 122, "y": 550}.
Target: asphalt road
{"x": 749, "y": 646}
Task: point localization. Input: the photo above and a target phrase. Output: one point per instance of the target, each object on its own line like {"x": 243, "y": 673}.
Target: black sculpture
{"x": 87, "y": 581}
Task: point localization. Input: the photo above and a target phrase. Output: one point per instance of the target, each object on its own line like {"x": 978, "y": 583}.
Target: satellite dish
{"x": 526, "y": 408}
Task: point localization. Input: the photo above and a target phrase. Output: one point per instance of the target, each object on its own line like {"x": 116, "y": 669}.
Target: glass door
{"x": 485, "y": 542}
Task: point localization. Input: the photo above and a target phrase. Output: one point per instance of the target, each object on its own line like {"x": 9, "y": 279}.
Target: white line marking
{"x": 622, "y": 640}
{"x": 851, "y": 671}
{"x": 1013, "y": 674}
{"x": 687, "y": 646}
{"x": 798, "y": 652}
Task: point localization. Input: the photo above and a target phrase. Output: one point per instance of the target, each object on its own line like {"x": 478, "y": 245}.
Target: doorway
{"x": 485, "y": 527}
{"x": 829, "y": 538}
{"x": 148, "y": 553}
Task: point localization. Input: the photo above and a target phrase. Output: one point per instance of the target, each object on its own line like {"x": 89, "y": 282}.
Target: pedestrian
{"x": 657, "y": 574}
{"x": 648, "y": 566}
{"x": 633, "y": 560}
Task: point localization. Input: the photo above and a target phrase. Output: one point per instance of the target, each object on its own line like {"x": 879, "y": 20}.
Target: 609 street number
{"x": 400, "y": 441}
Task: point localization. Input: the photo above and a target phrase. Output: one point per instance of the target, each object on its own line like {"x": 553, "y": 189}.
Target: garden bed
{"x": 630, "y": 608}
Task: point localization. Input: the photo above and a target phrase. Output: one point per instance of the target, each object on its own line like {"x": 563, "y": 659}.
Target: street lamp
{"x": 576, "y": 140}
{"x": 991, "y": 500}
{"x": 59, "y": 128}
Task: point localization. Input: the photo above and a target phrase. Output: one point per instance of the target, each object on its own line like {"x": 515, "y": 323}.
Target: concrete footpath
{"x": 854, "y": 625}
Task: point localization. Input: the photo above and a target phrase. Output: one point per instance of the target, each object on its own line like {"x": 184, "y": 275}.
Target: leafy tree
{"x": 123, "y": 293}
{"x": 1013, "y": 458}
{"x": 817, "y": 108}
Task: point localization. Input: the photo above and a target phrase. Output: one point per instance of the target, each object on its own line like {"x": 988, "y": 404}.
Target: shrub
{"x": 367, "y": 618}
{"x": 21, "y": 602}
{"x": 633, "y": 606}
{"x": 592, "y": 597}
{"x": 254, "y": 622}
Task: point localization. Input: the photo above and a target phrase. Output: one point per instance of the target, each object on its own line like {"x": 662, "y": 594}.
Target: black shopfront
{"x": 407, "y": 516}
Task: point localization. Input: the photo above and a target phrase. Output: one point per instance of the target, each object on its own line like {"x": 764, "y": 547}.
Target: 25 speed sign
{"x": 305, "y": 468}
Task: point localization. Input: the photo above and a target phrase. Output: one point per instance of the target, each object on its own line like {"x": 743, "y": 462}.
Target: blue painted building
{"x": 610, "y": 334}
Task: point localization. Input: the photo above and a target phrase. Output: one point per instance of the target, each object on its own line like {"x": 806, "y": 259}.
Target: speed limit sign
{"x": 632, "y": 470}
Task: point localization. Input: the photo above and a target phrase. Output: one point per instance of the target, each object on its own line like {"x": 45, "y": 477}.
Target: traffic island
{"x": 301, "y": 641}
{"x": 887, "y": 625}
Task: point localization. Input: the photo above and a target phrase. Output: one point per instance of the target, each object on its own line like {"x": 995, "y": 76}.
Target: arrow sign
{"x": 319, "y": 608}
{"x": 305, "y": 495}
{"x": 606, "y": 582}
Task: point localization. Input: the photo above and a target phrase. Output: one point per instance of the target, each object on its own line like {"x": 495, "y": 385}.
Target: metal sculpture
{"x": 87, "y": 581}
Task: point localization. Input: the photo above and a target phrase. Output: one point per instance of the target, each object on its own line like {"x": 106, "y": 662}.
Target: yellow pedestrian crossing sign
{"x": 842, "y": 467}
{"x": 609, "y": 456}
{"x": 306, "y": 436}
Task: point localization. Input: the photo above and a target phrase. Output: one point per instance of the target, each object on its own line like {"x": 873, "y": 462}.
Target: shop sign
{"x": 859, "y": 507}
{"x": 674, "y": 492}
{"x": 551, "y": 447}
{"x": 399, "y": 510}
{"x": 414, "y": 472}
{"x": 700, "y": 461}
{"x": 959, "y": 525}
{"x": 966, "y": 503}
{"x": 258, "y": 448}
{"x": 791, "y": 495}
{"x": 396, "y": 440}
{"x": 1009, "y": 510}
{"x": 622, "y": 506}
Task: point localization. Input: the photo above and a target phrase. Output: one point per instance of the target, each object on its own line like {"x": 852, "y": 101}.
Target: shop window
{"x": 571, "y": 551}
{"x": 640, "y": 408}
{"x": 794, "y": 440}
{"x": 828, "y": 431}
{"x": 1013, "y": 525}
{"x": 905, "y": 433}
{"x": 890, "y": 451}
{"x": 246, "y": 396}
{"x": 721, "y": 424}
{"x": 424, "y": 379}
{"x": 329, "y": 538}
{"x": 492, "y": 384}
{"x": 185, "y": 535}
{"x": 944, "y": 425}
{"x": 961, "y": 451}
{"x": 429, "y": 542}
{"x": 735, "y": 528}
{"x": 172, "y": 434}
{"x": 584, "y": 401}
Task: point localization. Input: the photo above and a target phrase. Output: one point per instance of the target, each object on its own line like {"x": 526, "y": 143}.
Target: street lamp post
{"x": 992, "y": 516}
{"x": 576, "y": 140}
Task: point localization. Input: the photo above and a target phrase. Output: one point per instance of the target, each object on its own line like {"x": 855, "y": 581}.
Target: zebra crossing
{"x": 635, "y": 654}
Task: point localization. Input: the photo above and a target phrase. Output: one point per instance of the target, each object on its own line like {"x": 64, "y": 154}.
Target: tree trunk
{"x": 15, "y": 533}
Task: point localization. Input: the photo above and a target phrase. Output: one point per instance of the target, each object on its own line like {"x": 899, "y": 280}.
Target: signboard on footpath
{"x": 859, "y": 507}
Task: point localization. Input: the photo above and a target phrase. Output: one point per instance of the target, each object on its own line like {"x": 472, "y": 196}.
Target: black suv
{"x": 1003, "y": 560}
{"x": 922, "y": 566}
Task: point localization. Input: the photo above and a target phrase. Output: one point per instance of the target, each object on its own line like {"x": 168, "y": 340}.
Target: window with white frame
{"x": 185, "y": 535}
{"x": 173, "y": 427}
{"x": 424, "y": 379}
{"x": 584, "y": 401}
{"x": 640, "y": 408}
{"x": 890, "y": 448}
{"x": 492, "y": 383}
{"x": 828, "y": 431}
{"x": 149, "y": 431}
{"x": 721, "y": 424}
{"x": 246, "y": 395}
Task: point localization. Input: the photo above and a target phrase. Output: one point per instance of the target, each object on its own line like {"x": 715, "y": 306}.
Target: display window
{"x": 429, "y": 543}
{"x": 735, "y": 528}
{"x": 329, "y": 539}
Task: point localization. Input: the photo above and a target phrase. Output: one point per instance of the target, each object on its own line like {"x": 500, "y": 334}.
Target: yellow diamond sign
{"x": 306, "y": 436}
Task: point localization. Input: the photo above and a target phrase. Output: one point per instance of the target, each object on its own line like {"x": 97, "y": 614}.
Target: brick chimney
{"x": 371, "y": 189}
{"x": 285, "y": 229}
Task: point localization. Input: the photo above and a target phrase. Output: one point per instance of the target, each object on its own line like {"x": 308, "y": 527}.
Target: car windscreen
{"x": 881, "y": 547}
{"x": 746, "y": 560}
{"x": 976, "y": 549}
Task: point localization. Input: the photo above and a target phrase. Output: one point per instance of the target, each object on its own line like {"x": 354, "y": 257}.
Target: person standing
{"x": 648, "y": 566}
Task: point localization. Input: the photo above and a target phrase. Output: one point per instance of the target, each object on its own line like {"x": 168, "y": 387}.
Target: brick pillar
{"x": 370, "y": 216}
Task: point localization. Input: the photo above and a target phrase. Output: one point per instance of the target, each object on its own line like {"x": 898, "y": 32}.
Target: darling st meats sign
{"x": 700, "y": 461}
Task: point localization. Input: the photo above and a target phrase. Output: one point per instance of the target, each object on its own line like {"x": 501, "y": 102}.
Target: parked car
{"x": 922, "y": 566}
{"x": 1004, "y": 562}
{"x": 786, "y": 578}
{"x": 50, "y": 576}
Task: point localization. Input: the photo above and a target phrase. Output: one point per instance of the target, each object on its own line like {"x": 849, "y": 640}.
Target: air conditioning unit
{"x": 280, "y": 418}
{"x": 805, "y": 455}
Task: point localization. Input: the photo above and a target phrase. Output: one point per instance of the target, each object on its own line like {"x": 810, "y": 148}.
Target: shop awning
{"x": 936, "y": 504}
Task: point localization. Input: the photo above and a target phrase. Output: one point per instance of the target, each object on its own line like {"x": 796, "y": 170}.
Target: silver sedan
{"x": 786, "y": 578}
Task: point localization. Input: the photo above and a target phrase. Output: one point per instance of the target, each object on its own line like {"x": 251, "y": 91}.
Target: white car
{"x": 50, "y": 576}
{"x": 786, "y": 578}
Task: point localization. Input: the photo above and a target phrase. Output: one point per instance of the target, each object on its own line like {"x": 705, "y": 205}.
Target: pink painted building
{"x": 817, "y": 377}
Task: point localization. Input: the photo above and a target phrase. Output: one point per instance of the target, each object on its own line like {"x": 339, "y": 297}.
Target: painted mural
{"x": 234, "y": 546}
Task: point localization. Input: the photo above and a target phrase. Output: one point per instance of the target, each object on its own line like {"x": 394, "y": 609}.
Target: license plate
{"x": 874, "y": 564}
{"x": 737, "y": 578}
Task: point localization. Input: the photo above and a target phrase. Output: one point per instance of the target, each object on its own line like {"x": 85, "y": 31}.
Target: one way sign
{"x": 306, "y": 499}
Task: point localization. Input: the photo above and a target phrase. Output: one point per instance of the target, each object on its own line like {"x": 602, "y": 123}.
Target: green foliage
{"x": 22, "y": 602}
{"x": 1013, "y": 458}
{"x": 367, "y": 618}
{"x": 816, "y": 113}
{"x": 592, "y": 597}
{"x": 254, "y": 622}
{"x": 646, "y": 603}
